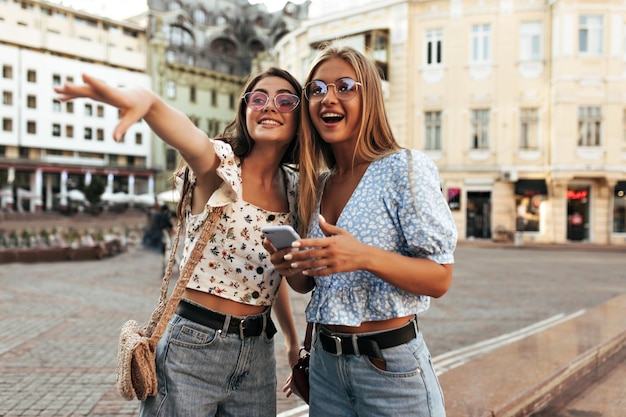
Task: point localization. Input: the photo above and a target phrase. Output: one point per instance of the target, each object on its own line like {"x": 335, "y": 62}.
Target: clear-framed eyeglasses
{"x": 345, "y": 89}
{"x": 284, "y": 102}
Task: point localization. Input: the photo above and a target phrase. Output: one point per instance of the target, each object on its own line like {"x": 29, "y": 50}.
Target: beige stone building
{"x": 522, "y": 105}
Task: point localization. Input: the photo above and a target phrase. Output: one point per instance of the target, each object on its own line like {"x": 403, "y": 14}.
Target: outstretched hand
{"x": 134, "y": 103}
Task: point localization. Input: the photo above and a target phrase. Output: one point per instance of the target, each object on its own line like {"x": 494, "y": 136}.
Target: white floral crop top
{"x": 235, "y": 265}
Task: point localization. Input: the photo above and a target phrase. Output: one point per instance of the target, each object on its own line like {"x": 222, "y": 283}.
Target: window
{"x": 171, "y": 89}
{"x": 56, "y": 106}
{"x": 432, "y": 135}
{"x": 192, "y": 94}
{"x": 213, "y": 98}
{"x": 100, "y": 110}
{"x": 56, "y": 130}
{"x": 170, "y": 159}
{"x": 31, "y": 127}
{"x": 88, "y": 110}
{"x": 528, "y": 211}
{"x": 138, "y": 138}
{"x": 481, "y": 43}
{"x": 130, "y": 160}
{"x": 31, "y": 76}
{"x": 480, "y": 129}
{"x": 590, "y": 126}
{"x": 69, "y": 107}
{"x": 69, "y": 131}
{"x": 7, "y": 98}
{"x": 529, "y": 129}
{"x": 232, "y": 101}
{"x": 88, "y": 133}
{"x": 100, "y": 134}
{"x": 434, "y": 45}
{"x": 56, "y": 79}
{"x": 7, "y": 124}
{"x": 619, "y": 208}
{"x": 590, "y": 34}
{"x": 180, "y": 37}
{"x": 530, "y": 41}
{"x": 31, "y": 101}
{"x": 199, "y": 16}
{"x": 7, "y": 72}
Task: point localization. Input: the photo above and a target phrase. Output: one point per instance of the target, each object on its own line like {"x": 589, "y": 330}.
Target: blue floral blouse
{"x": 397, "y": 206}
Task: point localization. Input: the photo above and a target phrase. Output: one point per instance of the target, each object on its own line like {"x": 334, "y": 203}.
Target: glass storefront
{"x": 578, "y": 212}
{"x": 619, "y": 208}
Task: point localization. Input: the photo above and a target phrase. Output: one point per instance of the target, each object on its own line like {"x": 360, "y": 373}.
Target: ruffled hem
{"x": 345, "y": 304}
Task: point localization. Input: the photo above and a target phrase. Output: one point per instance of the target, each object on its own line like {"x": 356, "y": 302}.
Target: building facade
{"x": 49, "y": 149}
{"x": 201, "y": 52}
{"x": 522, "y": 105}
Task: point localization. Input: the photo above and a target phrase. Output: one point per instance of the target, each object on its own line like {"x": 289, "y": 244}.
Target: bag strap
{"x": 205, "y": 235}
{"x": 308, "y": 336}
{"x": 165, "y": 308}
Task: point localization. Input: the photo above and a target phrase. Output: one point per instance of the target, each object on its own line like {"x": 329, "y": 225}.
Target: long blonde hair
{"x": 375, "y": 139}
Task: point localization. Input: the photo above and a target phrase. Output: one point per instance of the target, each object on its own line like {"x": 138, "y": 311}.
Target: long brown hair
{"x": 236, "y": 132}
{"x": 375, "y": 139}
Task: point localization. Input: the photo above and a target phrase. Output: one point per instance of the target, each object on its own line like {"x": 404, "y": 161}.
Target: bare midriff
{"x": 222, "y": 305}
{"x": 371, "y": 326}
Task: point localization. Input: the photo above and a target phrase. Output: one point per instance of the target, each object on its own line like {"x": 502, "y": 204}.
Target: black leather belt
{"x": 244, "y": 327}
{"x": 369, "y": 345}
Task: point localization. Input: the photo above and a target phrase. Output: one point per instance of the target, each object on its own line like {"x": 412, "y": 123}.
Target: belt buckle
{"x": 338, "y": 349}
{"x": 242, "y": 327}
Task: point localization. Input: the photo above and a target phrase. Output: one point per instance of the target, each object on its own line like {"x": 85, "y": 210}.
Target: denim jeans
{"x": 206, "y": 372}
{"x": 351, "y": 386}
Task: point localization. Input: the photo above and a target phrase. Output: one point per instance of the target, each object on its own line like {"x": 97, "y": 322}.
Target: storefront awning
{"x": 531, "y": 187}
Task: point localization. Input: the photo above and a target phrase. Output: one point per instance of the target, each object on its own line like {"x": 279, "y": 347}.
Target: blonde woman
{"x": 380, "y": 243}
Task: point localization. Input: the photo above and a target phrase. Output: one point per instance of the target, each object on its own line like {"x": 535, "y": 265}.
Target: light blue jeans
{"x": 206, "y": 372}
{"x": 351, "y": 386}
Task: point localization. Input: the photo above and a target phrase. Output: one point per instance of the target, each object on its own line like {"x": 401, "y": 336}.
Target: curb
{"x": 526, "y": 376}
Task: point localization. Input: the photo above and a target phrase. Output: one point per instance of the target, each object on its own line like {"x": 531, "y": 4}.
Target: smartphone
{"x": 280, "y": 236}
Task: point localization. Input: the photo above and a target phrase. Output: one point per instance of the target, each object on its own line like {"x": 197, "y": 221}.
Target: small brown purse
{"x": 300, "y": 371}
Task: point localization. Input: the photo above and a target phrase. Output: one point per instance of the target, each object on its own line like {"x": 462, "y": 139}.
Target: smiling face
{"x": 336, "y": 120}
{"x": 268, "y": 124}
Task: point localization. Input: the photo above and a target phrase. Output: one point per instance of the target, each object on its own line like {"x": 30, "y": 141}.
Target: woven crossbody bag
{"x": 136, "y": 356}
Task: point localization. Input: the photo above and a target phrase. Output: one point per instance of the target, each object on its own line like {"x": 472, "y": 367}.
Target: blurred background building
{"x": 522, "y": 105}
{"x": 50, "y": 151}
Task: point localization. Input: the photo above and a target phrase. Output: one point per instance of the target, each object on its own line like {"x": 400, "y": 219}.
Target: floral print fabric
{"x": 235, "y": 265}
{"x": 398, "y": 206}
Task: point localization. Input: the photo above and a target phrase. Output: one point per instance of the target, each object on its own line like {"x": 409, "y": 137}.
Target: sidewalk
{"x": 575, "y": 368}
{"x": 59, "y": 325}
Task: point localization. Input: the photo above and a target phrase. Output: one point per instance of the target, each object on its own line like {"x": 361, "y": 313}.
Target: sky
{"x": 120, "y": 9}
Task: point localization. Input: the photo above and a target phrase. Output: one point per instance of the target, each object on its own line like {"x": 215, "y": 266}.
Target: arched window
{"x": 180, "y": 37}
{"x": 199, "y": 16}
{"x": 224, "y": 46}
{"x": 174, "y": 5}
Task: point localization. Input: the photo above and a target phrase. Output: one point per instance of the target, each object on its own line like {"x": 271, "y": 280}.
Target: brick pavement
{"x": 59, "y": 322}
{"x": 59, "y": 325}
